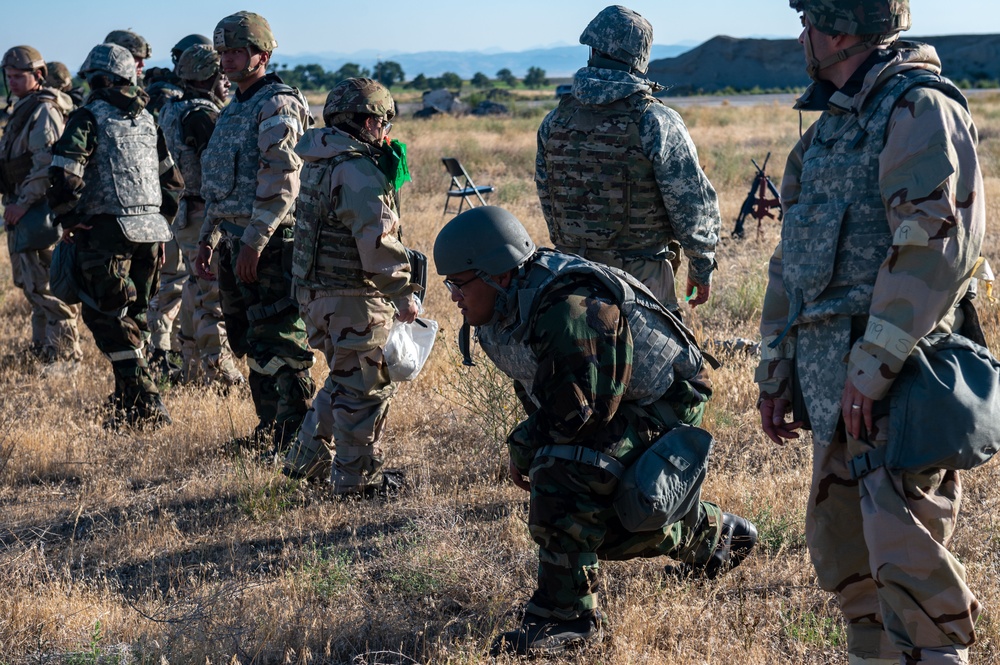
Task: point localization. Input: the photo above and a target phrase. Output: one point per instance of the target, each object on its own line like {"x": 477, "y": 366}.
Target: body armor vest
{"x": 602, "y": 188}
{"x": 835, "y": 237}
{"x": 326, "y": 254}
{"x": 122, "y": 176}
{"x": 171, "y": 123}
{"x": 230, "y": 161}
{"x": 664, "y": 350}
{"x": 15, "y": 168}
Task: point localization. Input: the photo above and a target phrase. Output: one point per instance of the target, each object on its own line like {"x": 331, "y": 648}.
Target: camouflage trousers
{"x": 880, "y": 544}
{"x": 263, "y": 324}
{"x": 166, "y": 304}
{"x": 54, "y": 330}
{"x": 341, "y": 431}
{"x": 657, "y": 273}
{"x": 573, "y": 521}
{"x": 120, "y": 276}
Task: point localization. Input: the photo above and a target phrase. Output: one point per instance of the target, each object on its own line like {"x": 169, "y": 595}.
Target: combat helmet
{"x": 25, "y": 58}
{"x": 358, "y": 95}
{"x": 59, "y": 76}
{"x": 111, "y": 60}
{"x": 622, "y": 35}
{"x": 487, "y": 239}
{"x": 244, "y": 29}
{"x": 856, "y": 17}
{"x": 136, "y": 45}
{"x": 186, "y": 43}
{"x": 199, "y": 62}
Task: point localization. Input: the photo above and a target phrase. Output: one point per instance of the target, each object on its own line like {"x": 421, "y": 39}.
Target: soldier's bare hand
{"x": 70, "y": 231}
{"x": 855, "y": 408}
{"x": 246, "y": 264}
{"x": 409, "y": 313}
{"x": 772, "y": 420}
{"x": 13, "y": 213}
{"x": 517, "y": 478}
{"x": 698, "y": 291}
{"x": 203, "y": 261}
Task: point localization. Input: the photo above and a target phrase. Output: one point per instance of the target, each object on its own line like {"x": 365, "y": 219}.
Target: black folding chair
{"x": 462, "y": 186}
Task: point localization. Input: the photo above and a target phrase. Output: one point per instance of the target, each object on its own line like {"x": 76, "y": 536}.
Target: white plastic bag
{"x": 408, "y": 348}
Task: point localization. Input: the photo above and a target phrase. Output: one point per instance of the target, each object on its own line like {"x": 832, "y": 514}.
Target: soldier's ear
{"x": 505, "y": 279}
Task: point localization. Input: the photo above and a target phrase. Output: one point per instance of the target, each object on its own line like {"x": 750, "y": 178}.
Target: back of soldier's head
{"x": 109, "y": 64}
{"x": 198, "y": 63}
{"x": 855, "y": 17}
{"x": 622, "y": 35}
{"x": 186, "y": 43}
{"x": 59, "y": 76}
{"x": 133, "y": 42}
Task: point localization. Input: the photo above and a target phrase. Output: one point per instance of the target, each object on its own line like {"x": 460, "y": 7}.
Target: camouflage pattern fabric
{"x": 673, "y": 198}
{"x": 53, "y": 322}
{"x": 166, "y": 304}
{"x": 264, "y": 324}
{"x": 577, "y": 399}
{"x": 351, "y": 275}
{"x": 186, "y": 156}
{"x": 622, "y": 34}
{"x": 250, "y": 172}
{"x": 856, "y": 17}
{"x": 925, "y": 171}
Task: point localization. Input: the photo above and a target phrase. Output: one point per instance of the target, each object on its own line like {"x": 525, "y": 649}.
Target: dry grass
{"x": 161, "y": 547}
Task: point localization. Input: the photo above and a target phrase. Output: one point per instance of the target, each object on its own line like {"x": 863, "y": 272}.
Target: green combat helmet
{"x": 620, "y": 34}
{"x": 186, "y": 43}
{"x": 198, "y": 63}
{"x": 242, "y": 30}
{"x": 24, "y": 58}
{"x": 59, "y": 76}
{"x": 856, "y": 17}
{"x": 110, "y": 60}
{"x": 487, "y": 239}
{"x": 358, "y": 95}
{"x": 136, "y": 45}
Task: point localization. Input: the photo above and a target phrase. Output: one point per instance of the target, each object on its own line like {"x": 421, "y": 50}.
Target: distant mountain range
{"x": 558, "y": 62}
{"x": 743, "y": 64}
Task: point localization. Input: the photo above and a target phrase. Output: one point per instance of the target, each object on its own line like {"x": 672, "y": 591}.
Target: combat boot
{"x": 148, "y": 413}
{"x": 547, "y": 635}
{"x": 164, "y": 367}
{"x": 738, "y": 537}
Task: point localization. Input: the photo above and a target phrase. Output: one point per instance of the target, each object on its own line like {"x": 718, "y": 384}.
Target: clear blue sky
{"x": 61, "y": 31}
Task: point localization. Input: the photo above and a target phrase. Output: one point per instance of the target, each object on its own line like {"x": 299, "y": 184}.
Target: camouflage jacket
{"x": 33, "y": 141}
{"x": 347, "y": 233}
{"x": 250, "y": 172}
{"x": 185, "y": 150}
{"x": 692, "y": 207}
{"x": 76, "y": 146}
{"x": 930, "y": 217}
{"x": 586, "y": 344}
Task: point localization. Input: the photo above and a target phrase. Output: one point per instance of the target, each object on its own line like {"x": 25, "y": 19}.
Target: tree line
{"x": 391, "y": 74}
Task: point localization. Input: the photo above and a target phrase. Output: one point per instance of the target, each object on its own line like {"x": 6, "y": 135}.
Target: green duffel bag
{"x": 664, "y": 484}
{"x": 36, "y": 230}
{"x": 944, "y": 409}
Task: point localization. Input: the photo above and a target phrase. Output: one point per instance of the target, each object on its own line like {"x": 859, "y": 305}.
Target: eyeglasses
{"x": 455, "y": 288}
{"x": 386, "y": 126}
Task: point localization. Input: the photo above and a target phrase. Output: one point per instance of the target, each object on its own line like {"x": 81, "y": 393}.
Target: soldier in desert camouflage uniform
{"x": 250, "y": 178}
{"x": 187, "y": 126}
{"x": 114, "y": 187}
{"x": 566, "y": 330}
{"x": 352, "y": 278}
{"x": 884, "y": 217}
{"x": 617, "y": 173}
{"x": 59, "y": 78}
{"x": 36, "y": 122}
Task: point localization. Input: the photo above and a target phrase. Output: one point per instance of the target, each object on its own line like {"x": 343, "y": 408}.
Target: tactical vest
{"x": 230, "y": 161}
{"x": 602, "y": 188}
{"x": 171, "y": 123}
{"x": 15, "y": 168}
{"x": 664, "y": 350}
{"x": 325, "y": 253}
{"x": 122, "y": 176}
{"x": 835, "y": 237}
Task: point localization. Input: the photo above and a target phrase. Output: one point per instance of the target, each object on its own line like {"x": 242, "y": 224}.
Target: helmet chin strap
{"x": 814, "y": 65}
{"x": 247, "y": 70}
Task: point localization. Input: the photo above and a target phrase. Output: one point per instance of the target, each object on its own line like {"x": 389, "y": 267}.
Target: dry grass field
{"x": 164, "y": 547}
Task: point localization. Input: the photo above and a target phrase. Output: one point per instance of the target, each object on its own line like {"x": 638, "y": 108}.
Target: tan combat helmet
{"x": 242, "y": 30}
{"x": 622, "y": 35}
{"x": 59, "y": 76}
{"x": 24, "y": 58}
{"x": 136, "y": 45}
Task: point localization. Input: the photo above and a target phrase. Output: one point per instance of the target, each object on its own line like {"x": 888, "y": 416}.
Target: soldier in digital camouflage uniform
{"x": 187, "y": 126}
{"x": 250, "y": 178}
{"x": 162, "y": 84}
{"x": 352, "y": 278}
{"x": 59, "y": 78}
{"x": 35, "y": 123}
{"x": 884, "y": 218}
{"x": 114, "y": 186}
{"x": 617, "y": 173}
{"x": 566, "y": 330}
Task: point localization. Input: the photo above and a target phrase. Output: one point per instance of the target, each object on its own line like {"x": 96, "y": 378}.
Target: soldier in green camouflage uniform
{"x": 36, "y": 122}
{"x": 352, "y": 278}
{"x": 114, "y": 187}
{"x": 599, "y": 386}
{"x": 616, "y": 170}
{"x": 187, "y": 126}
{"x": 884, "y": 218}
{"x": 250, "y": 178}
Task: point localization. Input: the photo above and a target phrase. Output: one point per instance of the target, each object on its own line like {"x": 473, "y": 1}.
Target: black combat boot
{"x": 547, "y": 635}
{"x": 149, "y": 413}
{"x": 738, "y": 537}
{"x": 164, "y": 367}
